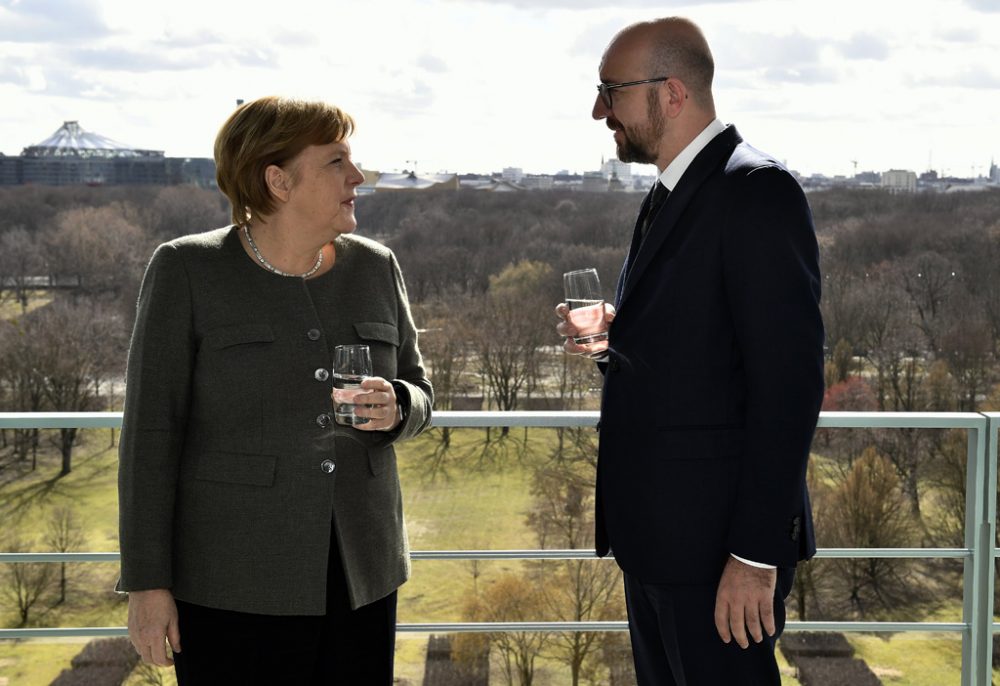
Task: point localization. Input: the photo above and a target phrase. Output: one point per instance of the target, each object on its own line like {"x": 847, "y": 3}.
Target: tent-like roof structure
{"x": 72, "y": 141}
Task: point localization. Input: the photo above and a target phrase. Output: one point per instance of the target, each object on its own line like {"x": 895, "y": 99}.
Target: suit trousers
{"x": 344, "y": 646}
{"x": 675, "y": 643}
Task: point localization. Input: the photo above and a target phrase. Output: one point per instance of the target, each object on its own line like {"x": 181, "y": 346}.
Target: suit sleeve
{"x": 411, "y": 375}
{"x": 157, "y": 399}
{"x": 771, "y": 269}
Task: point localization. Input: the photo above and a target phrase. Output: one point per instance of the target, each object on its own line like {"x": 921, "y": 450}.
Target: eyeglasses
{"x": 604, "y": 89}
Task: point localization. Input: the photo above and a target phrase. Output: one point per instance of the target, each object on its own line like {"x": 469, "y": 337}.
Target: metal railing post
{"x": 989, "y": 543}
{"x": 977, "y": 586}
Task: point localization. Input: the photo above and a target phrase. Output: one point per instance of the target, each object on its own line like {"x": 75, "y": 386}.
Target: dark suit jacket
{"x": 224, "y": 495}
{"x": 715, "y": 376}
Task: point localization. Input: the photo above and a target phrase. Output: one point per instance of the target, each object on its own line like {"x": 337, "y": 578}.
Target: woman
{"x": 259, "y": 538}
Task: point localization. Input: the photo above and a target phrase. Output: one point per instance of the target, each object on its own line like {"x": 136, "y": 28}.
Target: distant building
{"x": 538, "y": 182}
{"x": 379, "y": 182}
{"x": 72, "y": 156}
{"x": 512, "y": 174}
{"x": 616, "y": 168}
{"x": 994, "y": 173}
{"x": 899, "y": 181}
{"x": 594, "y": 181}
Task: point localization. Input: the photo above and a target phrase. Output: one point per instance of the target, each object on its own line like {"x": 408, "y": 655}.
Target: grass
{"x": 10, "y": 308}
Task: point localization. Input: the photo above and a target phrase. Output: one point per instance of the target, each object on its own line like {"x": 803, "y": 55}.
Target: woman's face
{"x": 323, "y": 188}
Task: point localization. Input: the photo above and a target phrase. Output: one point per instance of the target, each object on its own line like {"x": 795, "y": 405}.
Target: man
{"x": 713, "y": 374}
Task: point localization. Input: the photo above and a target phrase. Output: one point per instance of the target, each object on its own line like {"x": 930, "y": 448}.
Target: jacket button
{"x": 327, "y": 466}
{"x": 321, "y": 374}
{"x": 323, "y": 420}
{"x": 313, "y": 334}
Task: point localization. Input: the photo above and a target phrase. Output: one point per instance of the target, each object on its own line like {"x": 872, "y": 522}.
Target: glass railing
{"x": 977, "y": 554}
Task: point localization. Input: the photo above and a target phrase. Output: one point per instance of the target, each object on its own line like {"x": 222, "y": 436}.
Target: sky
{"x": 827, "y": 86}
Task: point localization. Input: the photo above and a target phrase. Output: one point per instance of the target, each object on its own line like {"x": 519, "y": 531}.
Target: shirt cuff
{"x": 759, "y": 565}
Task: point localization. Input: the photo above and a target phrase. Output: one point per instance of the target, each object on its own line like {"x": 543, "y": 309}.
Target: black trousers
{"x": 675, "y": 643}
{"x": 349, "y": 647}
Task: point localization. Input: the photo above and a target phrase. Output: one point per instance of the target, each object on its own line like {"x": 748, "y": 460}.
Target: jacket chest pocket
{"x": 233, "y": 362}
{"x": 228, "y": 337}
{"x": 383, "y": 341}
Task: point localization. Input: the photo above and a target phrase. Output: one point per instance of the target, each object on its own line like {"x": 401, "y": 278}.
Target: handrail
{"x": 978, "y": 554}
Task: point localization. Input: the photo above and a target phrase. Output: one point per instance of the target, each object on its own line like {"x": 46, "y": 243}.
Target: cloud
{"x": 404, "y": 102}
{"x": 124, "y": 59}
{"x": 805, "y": 74}
{"x": 984, "y": 5}
{"x": 42, "y": 21}
{"x": 601, "y": 4}
{"x": 432, "y": 63}
{"x": 975, "y": 77}
{"x": 163, "y": 56}
{"x": 959, "y": 35}
{"x": 865, "y": 46}
{"x": 739, "y": 50}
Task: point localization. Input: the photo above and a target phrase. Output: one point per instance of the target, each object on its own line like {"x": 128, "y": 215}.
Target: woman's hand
{"x": 152, "y": 621}
{"x": 378, "y": 404}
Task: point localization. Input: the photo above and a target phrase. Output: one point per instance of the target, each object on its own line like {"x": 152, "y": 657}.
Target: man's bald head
{"x": 675, "y": 47}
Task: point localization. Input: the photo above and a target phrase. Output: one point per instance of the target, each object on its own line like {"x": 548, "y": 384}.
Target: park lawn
{"x": 911, "y": 659}
{"x": 90, "y": 489}
{"x": 472, "y": 508}
{"x": 36, "y": 663}
{"x": 10, "y": 308}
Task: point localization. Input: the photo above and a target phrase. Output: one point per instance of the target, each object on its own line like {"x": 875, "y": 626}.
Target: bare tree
{"x": 869, "y": 510}
{"x": 578, "y": 590}
{"x": 103, "y": 248}
{"x": 516, "y": 310}
{"x": 20, "y": 261}
{"x": 512, "y": 598}
{"x": 64, "y": 534}
{"x": 24, "y": 583}
{"x": 66, "y": 351}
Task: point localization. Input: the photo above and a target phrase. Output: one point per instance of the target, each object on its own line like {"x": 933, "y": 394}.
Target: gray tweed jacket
{"x": 223, "y": 492}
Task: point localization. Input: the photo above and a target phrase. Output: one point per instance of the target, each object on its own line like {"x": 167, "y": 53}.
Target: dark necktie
{"x": 657, "y": 196}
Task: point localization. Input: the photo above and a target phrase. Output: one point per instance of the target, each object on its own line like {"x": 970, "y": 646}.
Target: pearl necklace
{"x": 271, "y": 267}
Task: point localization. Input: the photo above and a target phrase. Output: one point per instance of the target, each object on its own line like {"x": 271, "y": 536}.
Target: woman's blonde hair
{"x": 266, "y": 131}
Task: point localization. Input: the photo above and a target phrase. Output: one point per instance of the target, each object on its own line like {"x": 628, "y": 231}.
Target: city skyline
{"x": 449, "y": 85}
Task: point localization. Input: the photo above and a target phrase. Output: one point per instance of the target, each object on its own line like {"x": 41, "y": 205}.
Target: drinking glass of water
{"x": 352, "y": 364}
{"x": 586, "y": 306}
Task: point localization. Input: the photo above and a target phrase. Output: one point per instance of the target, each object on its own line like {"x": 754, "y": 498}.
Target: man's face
{"x": 635, "y": 114}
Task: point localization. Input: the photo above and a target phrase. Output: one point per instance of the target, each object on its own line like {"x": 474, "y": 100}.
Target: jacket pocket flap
{"x": 236, "y": 468}
{"x": 377, "y": 331}
{"x": 241, "y": 334}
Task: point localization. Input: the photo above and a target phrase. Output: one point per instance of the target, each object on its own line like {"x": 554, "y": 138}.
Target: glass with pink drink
{"x": 586, "y": 306}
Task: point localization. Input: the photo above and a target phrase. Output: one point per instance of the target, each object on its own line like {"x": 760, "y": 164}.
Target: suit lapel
{"x": 707, "y": 161}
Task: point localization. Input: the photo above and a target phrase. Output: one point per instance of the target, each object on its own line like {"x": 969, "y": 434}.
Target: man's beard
{"x": 641, "y": 144}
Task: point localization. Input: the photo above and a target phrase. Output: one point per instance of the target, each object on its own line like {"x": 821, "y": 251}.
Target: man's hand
{"x": 152, "y": 621}
{"x": 745, "y": 601}
{"x": 566, "y": 329}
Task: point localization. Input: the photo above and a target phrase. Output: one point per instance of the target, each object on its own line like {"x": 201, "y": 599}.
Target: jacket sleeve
{"x": 771, "y": 270}
{"x": 411, "y": 376}
{"x": 157, "y": 398}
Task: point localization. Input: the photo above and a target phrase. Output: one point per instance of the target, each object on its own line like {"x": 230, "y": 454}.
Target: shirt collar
{"x": 672, "y": 174}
